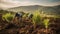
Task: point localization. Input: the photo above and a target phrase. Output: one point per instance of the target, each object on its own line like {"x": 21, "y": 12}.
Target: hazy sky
{"x": 15, "y": 3}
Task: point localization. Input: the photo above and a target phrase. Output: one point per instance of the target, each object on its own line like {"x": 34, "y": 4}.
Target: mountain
{"x": 32, "y": 8}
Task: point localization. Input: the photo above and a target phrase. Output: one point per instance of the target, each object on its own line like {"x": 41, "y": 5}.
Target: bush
{"x": 46, "y": 23}
{"x": 8, "y": 17}
{"x": 36, "y": 18}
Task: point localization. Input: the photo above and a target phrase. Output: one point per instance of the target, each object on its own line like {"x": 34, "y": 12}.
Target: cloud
{"x": 15, "y": 3}
{"x": 9, "y": 3}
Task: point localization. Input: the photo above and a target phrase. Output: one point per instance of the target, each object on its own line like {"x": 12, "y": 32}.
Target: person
{"x": 18, "y": 18}
{"x": 18, "y": 15}
{"x": 30, "y": 15}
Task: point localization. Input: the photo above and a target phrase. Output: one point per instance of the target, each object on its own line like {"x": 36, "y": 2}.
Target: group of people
{"x": 25, "y": 18}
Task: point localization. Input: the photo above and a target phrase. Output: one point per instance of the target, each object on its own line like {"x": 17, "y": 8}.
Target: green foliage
{"x": 46, "y": 23}
{"x": 36, "y": 17}
{"x": 25, "y": 15}
{"x": 8, "y": 17}
{"x": 4, "y": 11}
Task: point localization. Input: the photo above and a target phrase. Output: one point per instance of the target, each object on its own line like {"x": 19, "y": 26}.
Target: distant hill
{"x": 45, "y": 9}
{"x": 5, "y": 11}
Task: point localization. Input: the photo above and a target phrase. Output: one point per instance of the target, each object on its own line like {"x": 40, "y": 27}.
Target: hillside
{"x": 46, "y": 9}
{"x": 27, "y": 23}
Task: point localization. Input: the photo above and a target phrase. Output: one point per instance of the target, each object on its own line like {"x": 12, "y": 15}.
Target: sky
{"x": 16, "y": 3}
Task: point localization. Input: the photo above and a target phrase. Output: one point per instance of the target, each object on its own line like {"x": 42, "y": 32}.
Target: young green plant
{"x": 36, "y": 18}
{"x": 46, "y": 23}
{"x": 8, "y": 17}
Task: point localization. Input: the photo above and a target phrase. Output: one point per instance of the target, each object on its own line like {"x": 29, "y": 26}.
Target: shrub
{"x": 36, "y": 17}
{"x": 8, "y": 17}
{"x": 46, "y": 23}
